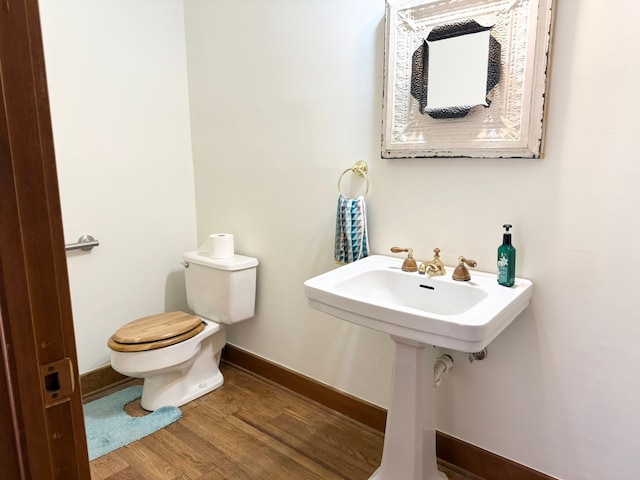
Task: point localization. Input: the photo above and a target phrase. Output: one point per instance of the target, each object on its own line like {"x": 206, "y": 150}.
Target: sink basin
{"x": 374, "y": 292}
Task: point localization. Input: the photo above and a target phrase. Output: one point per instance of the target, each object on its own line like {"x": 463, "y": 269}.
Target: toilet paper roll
{"x": 220, "y": 245}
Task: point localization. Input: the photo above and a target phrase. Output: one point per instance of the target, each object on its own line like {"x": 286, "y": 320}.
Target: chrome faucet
{"x": 433, "y": 268}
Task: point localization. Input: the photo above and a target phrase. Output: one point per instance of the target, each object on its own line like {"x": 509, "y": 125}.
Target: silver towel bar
{"x": 85, "y": 242}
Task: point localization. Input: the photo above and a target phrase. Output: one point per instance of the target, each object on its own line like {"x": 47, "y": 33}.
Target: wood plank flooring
{"x": 250, "y": 429}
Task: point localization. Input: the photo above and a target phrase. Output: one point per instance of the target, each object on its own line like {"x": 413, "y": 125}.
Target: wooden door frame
{"x": 42, "y": 432}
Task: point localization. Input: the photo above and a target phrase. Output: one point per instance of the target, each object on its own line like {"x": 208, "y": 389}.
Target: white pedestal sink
{"x": 418, "y": 312}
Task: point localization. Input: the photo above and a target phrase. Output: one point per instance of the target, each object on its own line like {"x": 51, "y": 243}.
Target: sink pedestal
{"x": 410, "y": 437}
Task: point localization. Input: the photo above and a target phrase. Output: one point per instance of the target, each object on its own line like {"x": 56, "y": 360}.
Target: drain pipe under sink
{"x": 443, "y": 364}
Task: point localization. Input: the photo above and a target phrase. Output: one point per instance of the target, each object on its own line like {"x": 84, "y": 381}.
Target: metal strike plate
{"x": 57, "y": 382}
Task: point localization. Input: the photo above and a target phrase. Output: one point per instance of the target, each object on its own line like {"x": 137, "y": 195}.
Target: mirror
{"x": 455, "y": 69}
{"x": 465, "y": 78}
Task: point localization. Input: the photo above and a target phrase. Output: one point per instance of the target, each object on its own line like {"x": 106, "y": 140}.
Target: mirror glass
{"x": 457, "y": 74}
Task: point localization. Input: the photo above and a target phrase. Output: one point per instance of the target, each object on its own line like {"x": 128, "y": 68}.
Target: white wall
{"x": 116, "y": 73}
{"x": 287, "y": 94}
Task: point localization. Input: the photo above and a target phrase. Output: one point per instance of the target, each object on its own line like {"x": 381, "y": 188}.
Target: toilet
{"x": 178, "y": 353}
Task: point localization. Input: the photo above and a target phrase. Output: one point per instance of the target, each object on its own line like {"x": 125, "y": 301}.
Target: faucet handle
{"x": 461, "y": 273}
{"x": 409, "y": 265}
{"x": 468, "y": 261}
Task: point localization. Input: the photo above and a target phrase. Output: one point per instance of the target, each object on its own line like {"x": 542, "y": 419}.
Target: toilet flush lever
{"x": 85, "y": 243}
{"x": 185, "y": 264}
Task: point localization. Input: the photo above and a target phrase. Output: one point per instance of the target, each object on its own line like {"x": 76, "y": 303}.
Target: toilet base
{"x": 183, "y": 383}
{"x": 159, "y": 391}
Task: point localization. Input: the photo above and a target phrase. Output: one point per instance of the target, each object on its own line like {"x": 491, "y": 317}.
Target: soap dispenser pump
{"x": 506, "y": 260}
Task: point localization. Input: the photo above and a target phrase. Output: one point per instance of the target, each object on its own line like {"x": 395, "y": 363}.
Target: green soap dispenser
{"x": 506, "y": 260}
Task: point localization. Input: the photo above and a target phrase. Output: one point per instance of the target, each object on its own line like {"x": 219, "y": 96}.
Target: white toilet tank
{"x": 221, "y": 289}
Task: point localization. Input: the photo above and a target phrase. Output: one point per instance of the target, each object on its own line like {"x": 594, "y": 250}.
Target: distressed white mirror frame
{"x": 510, "y": 123}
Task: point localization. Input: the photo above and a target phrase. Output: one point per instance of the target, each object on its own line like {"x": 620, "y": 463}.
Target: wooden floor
{"x": 250, "y": 429}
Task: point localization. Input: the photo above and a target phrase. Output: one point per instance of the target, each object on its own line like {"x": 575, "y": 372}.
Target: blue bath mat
{"x": 109, "y": 427}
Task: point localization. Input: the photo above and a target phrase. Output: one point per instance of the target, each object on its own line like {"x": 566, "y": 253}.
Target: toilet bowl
{"x": 177, "y": 353}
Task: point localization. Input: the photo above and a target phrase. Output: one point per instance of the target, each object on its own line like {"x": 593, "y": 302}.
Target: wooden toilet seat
{"x": 155, "y": 331}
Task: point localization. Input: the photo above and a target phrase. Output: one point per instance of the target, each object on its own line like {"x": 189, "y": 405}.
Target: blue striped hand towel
{"x": 351, "y": 242}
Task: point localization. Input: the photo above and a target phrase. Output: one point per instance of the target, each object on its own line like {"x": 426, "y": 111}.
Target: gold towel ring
{"x": 360, "y": 168}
